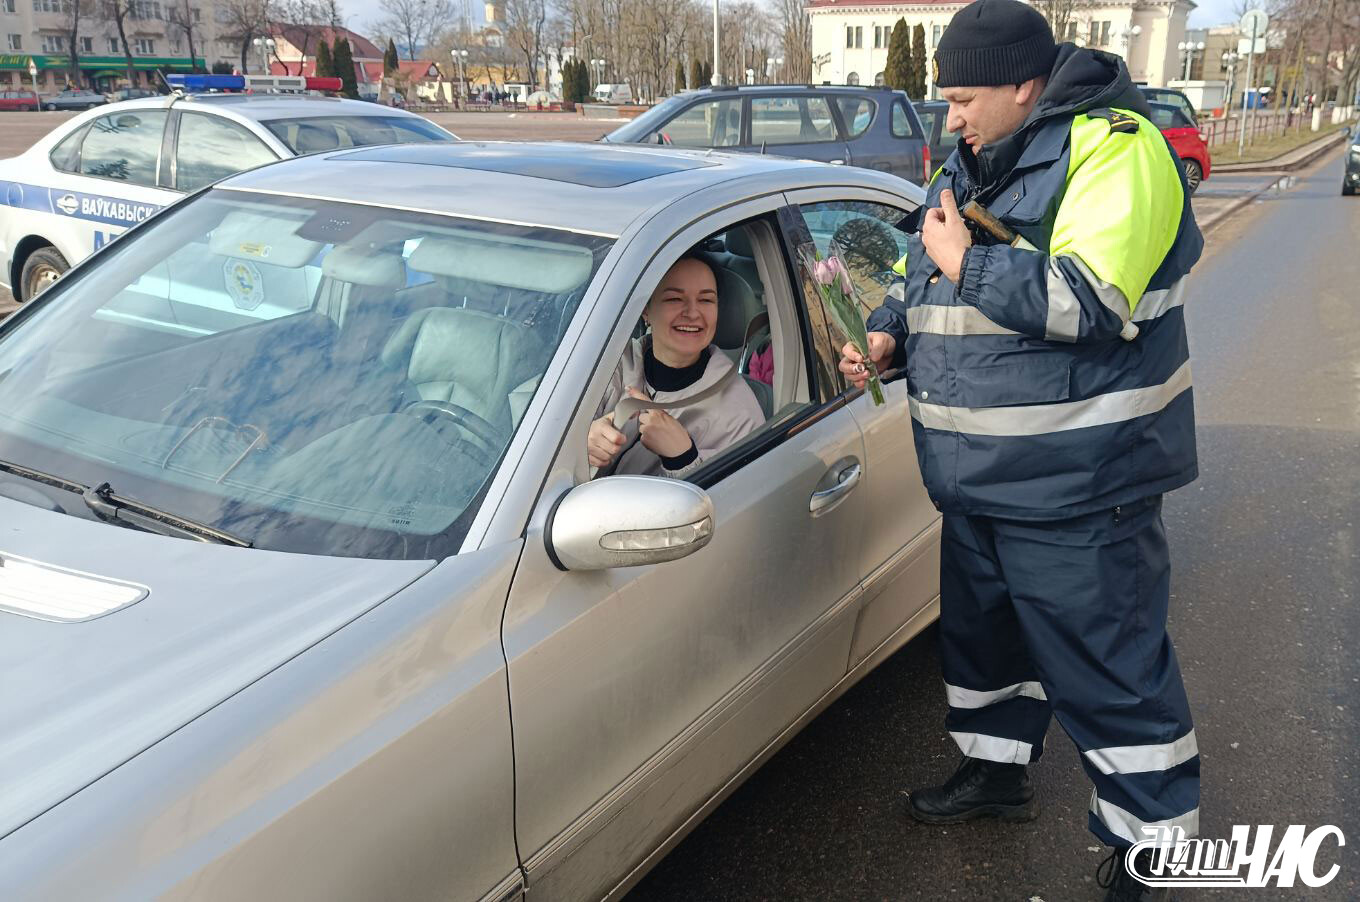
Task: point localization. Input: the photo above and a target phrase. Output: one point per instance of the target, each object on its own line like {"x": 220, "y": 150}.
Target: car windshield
{"x": 309, "y": 376}
{"x": 319, "y": 133}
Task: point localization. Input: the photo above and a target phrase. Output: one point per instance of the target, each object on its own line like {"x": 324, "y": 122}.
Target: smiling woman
{"x": 677, "y": 364}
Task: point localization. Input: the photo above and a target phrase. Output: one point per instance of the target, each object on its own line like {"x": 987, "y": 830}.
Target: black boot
{"x": 1113, "y": 875}
{"x": 977, "y": 789}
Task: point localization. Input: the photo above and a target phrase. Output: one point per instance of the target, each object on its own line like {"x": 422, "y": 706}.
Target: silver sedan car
{"x": 306, "y": 590}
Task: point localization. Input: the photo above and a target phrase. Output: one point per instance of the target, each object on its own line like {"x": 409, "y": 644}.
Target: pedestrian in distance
{"x": 1050, "y": 395}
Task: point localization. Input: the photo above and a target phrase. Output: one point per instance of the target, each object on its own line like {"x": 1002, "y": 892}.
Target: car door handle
{"x": 824, "y": 500}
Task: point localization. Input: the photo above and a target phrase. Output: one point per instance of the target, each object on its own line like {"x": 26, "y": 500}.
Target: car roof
{"x": 590, "y": 188}
{"x": 259, "y": 106}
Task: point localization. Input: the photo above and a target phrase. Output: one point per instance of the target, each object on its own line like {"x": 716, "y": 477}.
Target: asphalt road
{"x": 1266, "y": 582}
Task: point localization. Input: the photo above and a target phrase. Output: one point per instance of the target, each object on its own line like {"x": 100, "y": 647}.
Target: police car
{"x": 108, "y": 169}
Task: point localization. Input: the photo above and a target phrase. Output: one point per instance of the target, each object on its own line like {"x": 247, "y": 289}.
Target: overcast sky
{"x": 361, "y": 14}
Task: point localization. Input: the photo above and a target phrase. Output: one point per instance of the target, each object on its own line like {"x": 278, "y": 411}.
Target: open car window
{"x": 310, "y": 376}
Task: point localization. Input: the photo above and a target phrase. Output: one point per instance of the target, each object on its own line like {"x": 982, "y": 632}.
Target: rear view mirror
{"x": 628, "y": 521}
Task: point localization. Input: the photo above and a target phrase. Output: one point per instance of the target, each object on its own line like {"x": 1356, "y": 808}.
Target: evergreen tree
{"x": 680, "y": 77}
{"x": 897, "y": 73}
{"x": 580, "y": 81}
{"x": 917, "y": 88}
{"x": 571, "y": 82}
{"x": 390, "y": 58}
{"x": 707, "y": 74}
{"x": 696, "y": 73}
{"x": 342, "y": 58}
{"x": 325, "y": 66}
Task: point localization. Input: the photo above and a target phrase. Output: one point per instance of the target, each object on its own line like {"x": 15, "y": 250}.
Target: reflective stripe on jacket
{"x": 1051, "y": 383}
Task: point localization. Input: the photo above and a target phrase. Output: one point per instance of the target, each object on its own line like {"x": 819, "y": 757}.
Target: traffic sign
{"x": 1254, "y": 23}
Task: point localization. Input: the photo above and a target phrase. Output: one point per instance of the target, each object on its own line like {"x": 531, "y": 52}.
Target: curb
{"x": 1311, "y": 153}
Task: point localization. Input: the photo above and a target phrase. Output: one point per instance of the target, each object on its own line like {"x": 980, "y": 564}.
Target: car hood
{"x": 77, "y": 699}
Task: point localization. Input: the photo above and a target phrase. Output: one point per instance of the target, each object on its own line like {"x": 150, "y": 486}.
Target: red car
{"x": 19, "y": 100}
{"x": 1186, "y": 138}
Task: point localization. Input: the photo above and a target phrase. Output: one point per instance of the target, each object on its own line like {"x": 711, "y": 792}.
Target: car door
{"x": 882, "y": 134}
{"x": 106, "y": 177}
{"x": 800, "y": 125}
{"x": 901, "y": 587}
{"x": 638, "y": 694}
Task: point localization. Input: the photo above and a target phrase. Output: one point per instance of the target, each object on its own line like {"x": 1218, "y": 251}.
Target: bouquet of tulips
{"x": 832, "y": 281}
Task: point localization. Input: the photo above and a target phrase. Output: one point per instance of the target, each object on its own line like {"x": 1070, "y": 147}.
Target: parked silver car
{"x": 369, "y": 630}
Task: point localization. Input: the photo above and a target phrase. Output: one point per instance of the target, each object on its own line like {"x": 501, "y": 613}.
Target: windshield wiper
{"x": 113, "y": 508}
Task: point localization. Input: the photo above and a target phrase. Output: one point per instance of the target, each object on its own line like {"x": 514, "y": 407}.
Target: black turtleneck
{"x": 668, "y": 378}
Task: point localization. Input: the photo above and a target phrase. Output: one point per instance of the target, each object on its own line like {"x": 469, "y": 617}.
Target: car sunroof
{"x": 590, "y": 167}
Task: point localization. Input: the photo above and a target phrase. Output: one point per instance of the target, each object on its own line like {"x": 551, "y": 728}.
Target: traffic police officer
{"x": 1049, "y": 384}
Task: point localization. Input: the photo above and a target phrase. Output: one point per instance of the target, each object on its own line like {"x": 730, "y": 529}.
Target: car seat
{"x": 466, "y": 357}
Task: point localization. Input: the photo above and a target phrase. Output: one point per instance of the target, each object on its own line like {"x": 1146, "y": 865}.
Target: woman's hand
{"x": 661, "y": 433}
{"x": 603, "y": 442}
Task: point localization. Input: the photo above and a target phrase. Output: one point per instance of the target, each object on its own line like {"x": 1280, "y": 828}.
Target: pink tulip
{"x": 831, "y": 271}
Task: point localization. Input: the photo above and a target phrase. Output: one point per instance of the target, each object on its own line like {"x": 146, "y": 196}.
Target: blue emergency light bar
{"x": 192, "y": 83}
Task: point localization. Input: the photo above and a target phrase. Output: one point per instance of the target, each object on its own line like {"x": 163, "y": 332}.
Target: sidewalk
{"x": 1295, "y": 159}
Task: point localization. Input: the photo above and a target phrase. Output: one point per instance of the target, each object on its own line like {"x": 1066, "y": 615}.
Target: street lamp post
{"x": 1126, "y": 37}
{"x": 1189, "y": 48}
{"x": 597, "y": 68}
{"x": 265, "y": 46}
{"x": 459, "y": 57}
{"x": 1230, "y": 61}
{"x": 774, "y": 69}
{"x": 717, "y": 60}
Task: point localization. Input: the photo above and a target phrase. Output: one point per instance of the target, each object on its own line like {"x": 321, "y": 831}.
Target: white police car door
{"x": 108, "y": 176}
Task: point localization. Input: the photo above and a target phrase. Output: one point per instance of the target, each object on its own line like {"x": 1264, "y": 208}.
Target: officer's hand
{"x": 946, "y": 236}
{"x": 881, "y": 348}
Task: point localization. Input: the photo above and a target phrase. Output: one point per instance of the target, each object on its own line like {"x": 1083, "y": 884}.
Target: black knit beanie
{"x": 994, "y": 42}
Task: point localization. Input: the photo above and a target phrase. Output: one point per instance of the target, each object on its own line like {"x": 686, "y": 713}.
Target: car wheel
{"x": 51, "y": 108}
{"x": 43, "y": 267}
{"x": 1347, "y": 189}
{"x": 1193, "y": 175}
{"x": 25, "y": 109}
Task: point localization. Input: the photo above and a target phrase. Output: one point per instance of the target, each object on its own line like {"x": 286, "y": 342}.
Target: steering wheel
{"x": 488, "y": 437}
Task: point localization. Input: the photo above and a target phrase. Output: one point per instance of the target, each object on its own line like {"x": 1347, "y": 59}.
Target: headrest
{"x": 443, "y": 344}
{"x": 514, "y": 263}
{"x": 315, "y": 138}
{"x": 239, "y": 236}
{"x": 365, "y": 266}
{"x": 739, "y": 243}
{"x": 737, "y": 304}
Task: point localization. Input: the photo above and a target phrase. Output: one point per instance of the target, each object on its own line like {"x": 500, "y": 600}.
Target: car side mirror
{"x": 628, "y": 521}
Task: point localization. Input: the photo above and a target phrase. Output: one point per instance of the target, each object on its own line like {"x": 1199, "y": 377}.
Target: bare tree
{"x": 1058, "y": 13}
{"x": 796, "y": 29}
{"x": 120, "y": 11}
{"x": 245, "y": 20}
{"x": 181, "y": 17}
{"x": 76, "y": 11}
{"x": 414, "y": 24}
{"x": 526, "y": 22}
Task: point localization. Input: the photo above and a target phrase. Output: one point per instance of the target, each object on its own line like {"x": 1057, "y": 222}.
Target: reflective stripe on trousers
{"x": 1068, "y": 619}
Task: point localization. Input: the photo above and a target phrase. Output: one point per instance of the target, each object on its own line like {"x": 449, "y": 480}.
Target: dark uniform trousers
{"x": 1068, "y": 618}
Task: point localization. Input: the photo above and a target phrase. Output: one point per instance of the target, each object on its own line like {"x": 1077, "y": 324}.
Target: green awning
{"x": 109, "y": 63}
